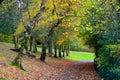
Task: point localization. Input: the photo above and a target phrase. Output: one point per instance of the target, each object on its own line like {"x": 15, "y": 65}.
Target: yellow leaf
{"x": 20, "y": 29}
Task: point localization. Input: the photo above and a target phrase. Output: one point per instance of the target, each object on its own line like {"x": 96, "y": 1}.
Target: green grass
{"x": 73, "y": 56}
{"x": 78, "y": 56}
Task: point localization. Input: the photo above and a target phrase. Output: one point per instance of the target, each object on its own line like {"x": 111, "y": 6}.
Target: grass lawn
{"x": 77, "y": 56}
{"x": 73, "y": 56}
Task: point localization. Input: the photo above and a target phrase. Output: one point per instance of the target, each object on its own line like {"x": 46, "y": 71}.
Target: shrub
{"x": 5, "y": 38}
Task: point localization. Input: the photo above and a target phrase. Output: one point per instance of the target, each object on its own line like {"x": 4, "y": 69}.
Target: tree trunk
{"x": 34, "y": 46}
{"x": 44, "y": 47}
{"x": 63, "y": 50}
{"x": 43, "y": 54}
{"x": 59, "y": 49}
{"x": 31, "y": 43}
{"x": 31, "y": 25}
{"x": 54, "y": 25}
{"x": 67, "y": 50}
{"x": 18, "y": 60}
{"x": 16, "y": 42}
{"x": 55, "y": 50}
{"x": 50, "y": 47}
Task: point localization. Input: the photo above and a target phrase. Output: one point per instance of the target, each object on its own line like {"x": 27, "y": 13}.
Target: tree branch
{"x": 38, "y": 15}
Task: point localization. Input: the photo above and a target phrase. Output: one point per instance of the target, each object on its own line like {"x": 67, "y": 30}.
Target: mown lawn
{"x": 78, "y": 56}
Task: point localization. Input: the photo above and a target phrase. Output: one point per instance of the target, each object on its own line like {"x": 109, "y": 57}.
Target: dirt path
{"x": 60, "y": 70}
{"x": 83, "y": 70}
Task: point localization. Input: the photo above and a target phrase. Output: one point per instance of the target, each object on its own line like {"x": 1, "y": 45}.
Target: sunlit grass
{"x": 73, "y": 55}
{"x": 77, "y": 56}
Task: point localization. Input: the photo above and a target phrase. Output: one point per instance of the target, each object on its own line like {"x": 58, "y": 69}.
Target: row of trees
{"x": 57, "y": 23}
{"x": 43, "y": 22}
{"x": 54, "y": 20}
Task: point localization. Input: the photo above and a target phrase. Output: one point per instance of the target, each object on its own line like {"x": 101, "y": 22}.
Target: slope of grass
{"x": 73, "y": 56}
{"x": 6, "y": 55}
{"x": 35, "y": 69}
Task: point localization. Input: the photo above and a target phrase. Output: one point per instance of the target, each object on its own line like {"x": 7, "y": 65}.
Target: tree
{"x": 9, "y": 18}
{"x": 44, "y": 44}
{"x": 60, "y": 15}
{"x": 96, "y": 27}
{"x": 30, "y": 26}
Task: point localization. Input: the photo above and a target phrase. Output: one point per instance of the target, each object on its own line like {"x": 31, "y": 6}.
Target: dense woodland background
{"x": 65, "y": 25}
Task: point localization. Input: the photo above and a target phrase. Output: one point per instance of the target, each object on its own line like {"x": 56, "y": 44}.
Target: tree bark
{"x": 16, "y": 42}
{"x": 67, "y": 50}
{"x": 31, "y": 43}
{"x": 44, "y": 47}
{"x": 38, "y": 15}
{"x": 63, "y": 50}
{"x": 55, "y": 50}
{"x": 18, "y": 60}
{"x": 54, "y": 25}
{"x": 29, "y": 28}
{"x": 34, "y": 45}
{"x": 23, "y": 50}
{"x": 59, "y": 49}
{"x": 50, "y": 47}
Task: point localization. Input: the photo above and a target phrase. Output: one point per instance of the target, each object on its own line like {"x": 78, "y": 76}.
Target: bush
{"x": 78, "y": 46}
{"x": 107, "y": 50}
{"x": 5, "y": 38}
{"x": 108, "y": 61}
